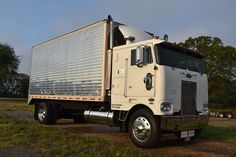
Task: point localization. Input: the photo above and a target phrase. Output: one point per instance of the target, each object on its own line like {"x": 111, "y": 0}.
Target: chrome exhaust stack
{"x": 99, "y": 117}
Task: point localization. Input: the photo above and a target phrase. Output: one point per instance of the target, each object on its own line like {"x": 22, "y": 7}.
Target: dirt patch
{"x": 88, "y": 129}
{"x": 18, "y": 152}
{"x": 198, "y": 147}
{"x": 19, "y": 114}
{"x": 169, "y": 143}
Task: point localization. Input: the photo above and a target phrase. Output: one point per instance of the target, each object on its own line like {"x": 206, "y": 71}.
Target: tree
{"x": 12, "y": 84}
{"x": 220, "y": 66}
{"x": 8, "y": 68}
{"x": 21, "y": 85}
{"x": 8, "y": 61}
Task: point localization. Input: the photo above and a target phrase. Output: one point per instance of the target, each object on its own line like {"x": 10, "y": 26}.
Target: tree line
{"x": 12, "y": 83}
{"x": 220, "y": 66}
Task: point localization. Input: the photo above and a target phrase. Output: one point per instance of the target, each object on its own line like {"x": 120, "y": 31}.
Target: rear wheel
{"x": 47, "y": 113}
{"x": 144, "y": 129}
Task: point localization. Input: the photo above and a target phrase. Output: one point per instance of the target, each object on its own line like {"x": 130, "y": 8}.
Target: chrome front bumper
{"x": 181, "y": 123}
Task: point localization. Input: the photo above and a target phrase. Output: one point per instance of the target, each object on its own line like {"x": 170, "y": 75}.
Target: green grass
{"x": 227, "y": 134}
{"x": 56, "y": 142}
{"x": 12, "y": 105}
{"x": 219, "y": 133}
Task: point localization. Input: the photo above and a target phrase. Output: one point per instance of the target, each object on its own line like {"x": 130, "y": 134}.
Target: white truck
{"x": 110, "y": 73}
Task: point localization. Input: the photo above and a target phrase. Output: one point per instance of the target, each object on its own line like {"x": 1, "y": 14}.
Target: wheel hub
{"x": 42, "y": 113}
{"x": 141, "y": 129}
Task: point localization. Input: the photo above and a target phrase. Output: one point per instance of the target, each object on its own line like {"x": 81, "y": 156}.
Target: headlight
{"x": 165, "y": 107}
{"x": 205, "y": 107}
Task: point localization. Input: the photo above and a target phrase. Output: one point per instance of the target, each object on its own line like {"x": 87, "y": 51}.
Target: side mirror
{"x": 139, "y": 56}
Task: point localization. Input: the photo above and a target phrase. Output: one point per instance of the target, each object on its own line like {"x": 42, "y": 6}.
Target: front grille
{"x": 188, "y": 98}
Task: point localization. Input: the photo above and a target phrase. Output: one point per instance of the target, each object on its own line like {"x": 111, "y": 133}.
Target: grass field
{"x": 219, "y": 133}
{"x": 14, "y": 104}
{"x": 57, "y": 142}
{"x": 50, "y": 141}
{"x": 54, "y": 142}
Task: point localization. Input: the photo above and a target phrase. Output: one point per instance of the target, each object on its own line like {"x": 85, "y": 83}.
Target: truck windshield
{"x": 178, "y": 57}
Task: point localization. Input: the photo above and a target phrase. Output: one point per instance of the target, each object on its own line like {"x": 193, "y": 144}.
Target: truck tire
{"x": 144, "y": 129}
{"x": 47, "y": 113}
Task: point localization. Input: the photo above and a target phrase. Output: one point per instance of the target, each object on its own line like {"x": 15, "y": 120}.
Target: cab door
{"x": 140, "y": 76}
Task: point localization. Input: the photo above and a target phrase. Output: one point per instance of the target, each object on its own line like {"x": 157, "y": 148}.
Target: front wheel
{"x": 144, "y": 128}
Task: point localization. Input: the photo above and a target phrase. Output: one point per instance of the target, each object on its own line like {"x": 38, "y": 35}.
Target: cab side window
{"x": 147, "y": 56}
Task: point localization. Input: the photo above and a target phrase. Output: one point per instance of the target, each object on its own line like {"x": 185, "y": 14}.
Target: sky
{"x": 24, "y": 23}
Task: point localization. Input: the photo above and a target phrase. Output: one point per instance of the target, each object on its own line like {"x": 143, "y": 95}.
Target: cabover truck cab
{"x": 112, "y": 74}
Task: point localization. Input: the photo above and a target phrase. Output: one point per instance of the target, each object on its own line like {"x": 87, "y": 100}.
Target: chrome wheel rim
{"x": 42, "y": 111}
{"x": 141, "y": 129}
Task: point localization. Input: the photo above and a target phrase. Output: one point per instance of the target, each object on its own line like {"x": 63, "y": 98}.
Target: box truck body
{"x": 113, "y": 74}
{"x": 71, "y": 66}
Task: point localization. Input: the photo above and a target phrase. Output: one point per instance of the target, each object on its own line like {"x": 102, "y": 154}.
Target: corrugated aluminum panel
{"x": 71, "y": 65}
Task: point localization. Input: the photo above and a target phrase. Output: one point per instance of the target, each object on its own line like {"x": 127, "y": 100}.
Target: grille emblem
{"x": 188, "y": 75}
